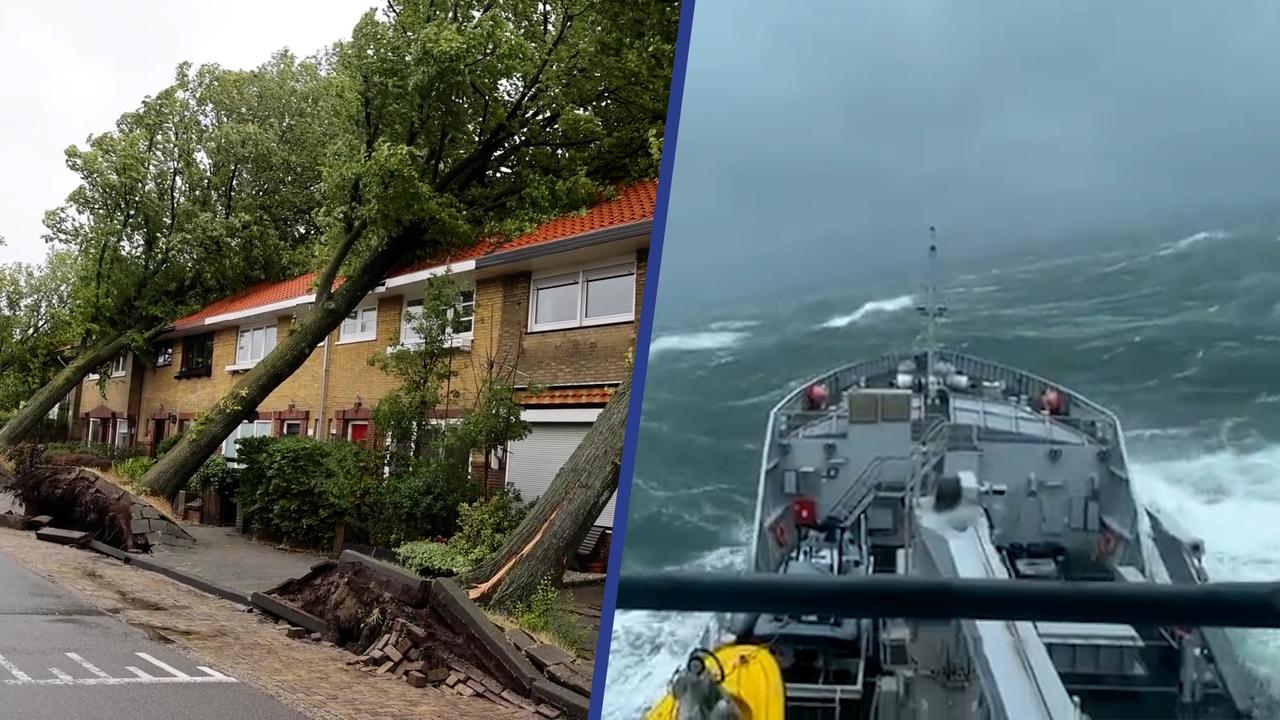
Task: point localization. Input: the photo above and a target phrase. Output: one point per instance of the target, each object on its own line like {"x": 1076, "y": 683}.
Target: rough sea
{"x": 1179, "y": 335}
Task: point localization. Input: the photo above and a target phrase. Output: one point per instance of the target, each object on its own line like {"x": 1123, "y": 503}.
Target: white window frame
{"x": 93, "y": 437}
{"x": 284, "y": 426}
{"x": 257, "y": 428}
{"x": 462, "y": 340}
{"x": 354, "y": 334}
{"x": 584, "y": 274}
{"x": 122, "y": 360}
{"x": 122, "y": 432}
{"x": 247, "y": 360}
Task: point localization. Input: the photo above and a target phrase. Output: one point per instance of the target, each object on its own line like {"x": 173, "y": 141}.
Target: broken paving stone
{"x": 315, "y": 637}
{"x": 416, "y": 635}
{"x": 565, "y": 676}
{"x": 404, "y": 646}
{"x": 464, "y": 690}
{"x": 39, "y": 521}
{"x": 393, "y": 653}
{"x": 62, "y": 537}
{"x": 544, "y": 656}
{"x": 475, "y": 685}
{"x": 518, "y": 701}
{"x": 415, "y": 678}
{"x": 386, "y": 667}
{"x": 548, "y": 711}
{"x": 436, "y": 675}
{"x": 454, "y": 678}
{"x": 295, "y": 633}
{"x": 521, "y": 639}
{"x": 400, "y": 671}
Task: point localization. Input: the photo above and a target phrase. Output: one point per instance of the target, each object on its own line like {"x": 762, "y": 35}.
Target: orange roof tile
{"x": 593, "y": 395}
{"x": 632, "y": 204}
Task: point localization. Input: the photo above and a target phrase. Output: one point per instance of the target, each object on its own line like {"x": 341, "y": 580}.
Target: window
{"x": 461, "y": 318}
{"x": 197, "y": 356}
{"x": 253, "y": 344}
{"x": 122, "y": 433}
{"x": 95, "y": 432}
{"x": 119, "y": 364}
{"x": 595, "y": 296}
{"x": 253, "y": 428}
{"x": 164, "y": 354}
{"x": 361, "y": 324}
{"x": 292, "y": 428}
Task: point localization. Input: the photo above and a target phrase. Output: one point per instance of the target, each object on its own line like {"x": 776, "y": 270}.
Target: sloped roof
{"x": 583, "y": 395}
{"x": 632, "y": 204}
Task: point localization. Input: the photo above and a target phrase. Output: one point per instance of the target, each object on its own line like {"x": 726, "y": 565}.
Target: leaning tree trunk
{"x": 38, "y": 406}
{"x": 560, "y": 518}
{"x": 176, "y": 466}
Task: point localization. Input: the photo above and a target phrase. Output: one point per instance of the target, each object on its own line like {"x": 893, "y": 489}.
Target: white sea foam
{"x": 902, "y": 302}
{"x": 647, "y": 647}
{"x": 696, "y": 341}
{"x": 1229, "y": 500}
{"x": 733, "y": 324}
{"x": 1190, "y": 240}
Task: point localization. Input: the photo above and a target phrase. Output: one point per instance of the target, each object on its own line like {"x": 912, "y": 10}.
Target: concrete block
{"x": 295, "y": 633}
{"x": 416, "y": 679}
{"x": 62, "y": 537}
{"x": 546, "y": 711}
{"x": 564, "y": 675}
{"x": 573, "y": 704}
{"x": 290, "y": 613}
{"x": 436, "y": 675}
{"x": 544, "y": 656}
{"x": 39, "y": 521}
{"x": 521, "y": 639}
{"x": 452, "y": 601}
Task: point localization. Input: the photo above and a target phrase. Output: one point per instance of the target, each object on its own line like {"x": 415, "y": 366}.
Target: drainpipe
{"x": 322, "y": 425}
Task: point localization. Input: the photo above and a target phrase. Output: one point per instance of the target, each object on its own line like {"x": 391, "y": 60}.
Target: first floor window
{"x": 461, "y": 318}
{"x": 197, "y": 356}
{"x": 95, "y": 432}
{"x": 252, "y": 428}
{"x": 255, "y": 344}
{"x": 122, "y": 433}
{"x": 595, "y": 296}
{"x": 119, "y": 364}
{"x": 361, "y": 324}
{"x": 292, "y": 428}
{"x": 164, "y": 354}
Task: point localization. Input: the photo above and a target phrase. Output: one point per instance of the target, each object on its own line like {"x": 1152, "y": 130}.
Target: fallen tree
{"x": 73, "y": 497}
{"x": 560, "y": 519}
{"x": 473, "y": 119}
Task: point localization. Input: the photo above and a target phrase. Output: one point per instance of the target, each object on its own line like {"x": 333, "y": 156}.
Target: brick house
{"x": 554, "y": 310}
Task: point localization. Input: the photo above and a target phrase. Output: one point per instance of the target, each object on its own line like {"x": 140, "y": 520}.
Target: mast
{"x": 932, "y": 311}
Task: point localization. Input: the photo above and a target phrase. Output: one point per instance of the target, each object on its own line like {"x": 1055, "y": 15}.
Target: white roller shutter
{"x": 532, "y": 463}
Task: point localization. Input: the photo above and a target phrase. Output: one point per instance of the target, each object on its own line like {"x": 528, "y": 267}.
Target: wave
{"x": 696, "y": 341}
{"x": 648, "y": 646}
{"x": 1229, "y": 499}
{"x": 733, "y": 324}
{"x": 1190, "y": 240}
{"x": 901, "y": 302}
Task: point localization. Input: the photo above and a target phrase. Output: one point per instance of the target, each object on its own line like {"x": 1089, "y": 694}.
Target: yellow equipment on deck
{"x": 748, "y": 674}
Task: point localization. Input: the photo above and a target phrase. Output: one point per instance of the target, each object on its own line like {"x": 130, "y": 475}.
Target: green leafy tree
{"x": 36, "y": 322}
{"x": 210, "y": 185}
{"x": 468, "y": 119}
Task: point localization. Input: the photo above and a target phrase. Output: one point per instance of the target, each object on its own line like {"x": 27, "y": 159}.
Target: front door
{"x": 157, "y": 434}
{"x": 357, "y": 431}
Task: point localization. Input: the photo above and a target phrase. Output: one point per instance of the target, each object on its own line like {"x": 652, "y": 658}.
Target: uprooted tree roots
{"x": 74, "y": 498}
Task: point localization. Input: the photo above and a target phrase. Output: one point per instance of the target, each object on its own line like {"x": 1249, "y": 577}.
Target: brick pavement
{"x": 306, "y": 676}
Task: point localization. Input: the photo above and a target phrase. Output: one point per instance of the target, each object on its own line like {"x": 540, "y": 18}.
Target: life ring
{"x": 779, "y": 531}
{"x": 1107, "y": 542}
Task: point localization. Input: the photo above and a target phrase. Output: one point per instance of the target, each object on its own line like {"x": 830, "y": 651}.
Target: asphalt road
{"x": 61, "y": 659}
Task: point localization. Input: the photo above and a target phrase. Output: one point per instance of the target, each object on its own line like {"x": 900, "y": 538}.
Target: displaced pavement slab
{"x": 305, "y": 676}
{"x": 60, "y": 658}
{"x": 228, "y": 559}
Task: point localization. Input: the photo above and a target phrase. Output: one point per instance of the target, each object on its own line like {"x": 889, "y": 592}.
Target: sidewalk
{"x": 231, "y": 560}
{"x": 309, "y": 677}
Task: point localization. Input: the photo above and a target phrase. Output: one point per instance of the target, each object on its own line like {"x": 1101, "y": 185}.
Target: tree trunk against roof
{"x": 561, "y": 518}
{"x": 173, "y": 469}
{"x": 28, "y": 417}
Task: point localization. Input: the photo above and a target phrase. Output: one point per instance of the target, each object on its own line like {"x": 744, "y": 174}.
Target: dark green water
{"x": 1180, "y": 336}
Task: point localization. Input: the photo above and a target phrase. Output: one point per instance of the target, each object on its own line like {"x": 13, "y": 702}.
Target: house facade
{"x": 554, "y": 312}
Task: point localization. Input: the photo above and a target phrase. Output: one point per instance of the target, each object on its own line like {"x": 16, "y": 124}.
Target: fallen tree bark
{"x": 560, "y": 519}
{"x": 74, "y": 498}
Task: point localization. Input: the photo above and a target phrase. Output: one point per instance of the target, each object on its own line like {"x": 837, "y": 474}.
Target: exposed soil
{"x": 358, "y": 612}
{"x": 77, "y": 499}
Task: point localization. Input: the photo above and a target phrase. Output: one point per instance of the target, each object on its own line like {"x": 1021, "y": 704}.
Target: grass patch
{"x": 548, "y": 612}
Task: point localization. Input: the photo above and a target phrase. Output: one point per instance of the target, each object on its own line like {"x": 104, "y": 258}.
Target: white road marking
{"x": 87, "y": 665}
{"x": 100, "y": 677}
{"x": 17, "y": 674}
{"x": 163, "y": 666}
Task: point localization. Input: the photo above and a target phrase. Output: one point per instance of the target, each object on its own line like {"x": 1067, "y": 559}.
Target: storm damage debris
{"x": 76, "y": 498}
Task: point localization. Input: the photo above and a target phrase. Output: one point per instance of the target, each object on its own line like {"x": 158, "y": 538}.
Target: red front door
{"x": 357, "y": 432}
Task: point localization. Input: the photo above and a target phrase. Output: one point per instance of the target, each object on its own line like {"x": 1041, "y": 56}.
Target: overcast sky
{"x": 825, "y": 136}
{"x": 71, "y": 67}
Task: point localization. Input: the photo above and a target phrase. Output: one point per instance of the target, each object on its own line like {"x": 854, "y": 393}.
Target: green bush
{"x": 483, "y": 525}
{"x": 167, "y": 444}
{"x": 301, "y": 488}
{"x": 432, "y": 559}
{"x": 214, "y": 474}
{"x": 132, "y": 468}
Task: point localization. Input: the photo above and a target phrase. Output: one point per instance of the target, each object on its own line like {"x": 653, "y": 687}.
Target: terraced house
{"x": 556, "y": 310}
